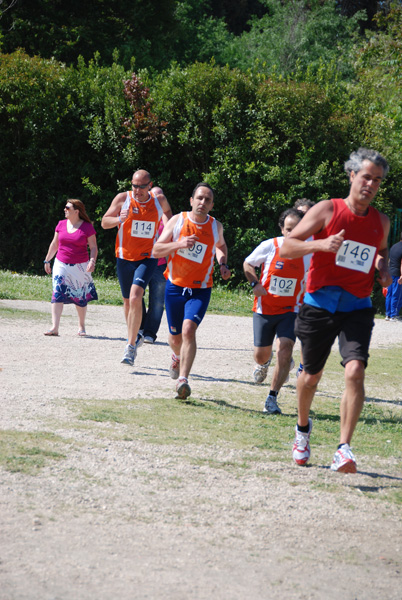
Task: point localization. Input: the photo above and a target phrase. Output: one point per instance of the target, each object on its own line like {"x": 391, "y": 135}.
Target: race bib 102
{"x": 355, "y": 256}
{"x": 196, "y": 253}
{"x": 143, "y": 229}
{"x": 282, "y": 286}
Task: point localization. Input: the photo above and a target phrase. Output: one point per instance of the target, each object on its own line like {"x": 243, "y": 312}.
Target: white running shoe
{"x": 271, "y": 406}
{"x": 260, "y": 372}
{"x": 344, "y": 460}
{"x": 129, "y": 355}
{"x": 292, "y": 366}
{"x": 148, "y": 339}
{"x": 183, "y": 390}
{"x": 174, "y": 369}
{"x": 301, "y": 445}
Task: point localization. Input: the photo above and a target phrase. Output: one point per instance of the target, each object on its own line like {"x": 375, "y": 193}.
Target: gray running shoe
{"x": 174, "y": 369}
{"x": 301, "y": 445}
{"x": 183, "y": 390}
{"x": 129, "y": 355}
{"x": 148, "y": 339}
{"x": 271, "y": 406}
{"x": 260, "y": 372}
{"x": 139, "y": 341}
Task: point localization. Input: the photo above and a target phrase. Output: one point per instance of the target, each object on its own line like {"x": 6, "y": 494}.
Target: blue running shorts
{"x": 185, "y": 303}
{"x": 134, "y": 272}
{"x": 266, "y": 327}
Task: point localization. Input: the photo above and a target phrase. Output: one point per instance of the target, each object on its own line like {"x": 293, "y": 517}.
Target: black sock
{"x": 303, "y": 428}
{"x": 273, "y": 393}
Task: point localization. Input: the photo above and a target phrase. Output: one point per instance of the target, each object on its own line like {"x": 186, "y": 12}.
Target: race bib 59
{"x": 196, "y": 253}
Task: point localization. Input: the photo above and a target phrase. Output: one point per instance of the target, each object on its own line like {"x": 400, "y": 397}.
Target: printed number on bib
{"x": 143, "y": 229}
{"x": 282, "y": 286}
{"x": 355, "y": 256}
{"x": 196, "y": 253}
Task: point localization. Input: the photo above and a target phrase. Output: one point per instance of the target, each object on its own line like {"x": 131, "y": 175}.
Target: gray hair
{"x": 356, "y": 159}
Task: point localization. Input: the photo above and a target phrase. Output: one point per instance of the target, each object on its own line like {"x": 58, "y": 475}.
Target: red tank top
{"x": 352, "y": 268}
{"x": 137, "y": 235}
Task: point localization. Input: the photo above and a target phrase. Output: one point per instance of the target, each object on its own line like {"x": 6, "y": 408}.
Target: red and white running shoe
{"x": 301, "y": 445}
{"x": 344, "y": 460}
{"x": 174, "y": 369}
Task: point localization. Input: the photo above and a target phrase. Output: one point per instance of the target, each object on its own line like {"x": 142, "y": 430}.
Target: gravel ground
{"x": 129, "y": 519}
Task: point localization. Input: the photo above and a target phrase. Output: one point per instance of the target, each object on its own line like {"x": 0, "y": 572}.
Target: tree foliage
{"x": 305, "y": 92}
{"x": 295, "y": 34}
{"x": 67, "y": 30}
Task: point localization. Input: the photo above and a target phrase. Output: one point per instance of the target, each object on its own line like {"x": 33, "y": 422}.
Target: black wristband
{"x": 223, "y": 265}
{"x": 253, "y": 283}
{"x": 46, "y": 262}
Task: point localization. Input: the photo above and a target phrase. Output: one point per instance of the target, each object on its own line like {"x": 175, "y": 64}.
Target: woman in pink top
{"x": 72, "y": 279}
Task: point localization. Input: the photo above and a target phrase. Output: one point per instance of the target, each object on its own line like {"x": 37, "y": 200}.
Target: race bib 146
{"x": 355, "y": 256}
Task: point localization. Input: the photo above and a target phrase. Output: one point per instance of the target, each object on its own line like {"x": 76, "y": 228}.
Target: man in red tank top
{"x": 349, "y": 243}
{"x": 136, "y": 214}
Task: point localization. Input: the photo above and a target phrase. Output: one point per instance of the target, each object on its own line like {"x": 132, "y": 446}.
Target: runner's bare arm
{"x": 114, "y": 215}
{"x": 295, "y": 245}
{"x": 164, "y": 246}
{"x": 384, "y": 277}
{"x": 222, "y": 254}
{"x": 167, "y": 211}
{"x": 251, "y": 276}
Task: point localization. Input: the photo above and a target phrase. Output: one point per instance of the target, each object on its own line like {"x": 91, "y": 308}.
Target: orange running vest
{"x": 284, "y": 281}
{"x": 137, "y": 235}
{"x": 193, "y": 267}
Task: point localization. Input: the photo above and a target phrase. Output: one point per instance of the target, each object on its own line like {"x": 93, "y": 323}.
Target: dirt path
{"x": 128, "y": 519}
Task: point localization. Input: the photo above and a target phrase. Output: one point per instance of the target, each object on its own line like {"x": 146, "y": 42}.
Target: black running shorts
{"x": 318, "y": 329}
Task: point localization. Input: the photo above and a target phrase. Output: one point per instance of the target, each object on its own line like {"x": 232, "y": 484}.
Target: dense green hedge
{"x": 81, "y": 132}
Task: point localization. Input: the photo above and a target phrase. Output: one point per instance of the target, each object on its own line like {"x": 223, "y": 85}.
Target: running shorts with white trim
{"x": 185, "y": 303}
{"x": 134, "y": 272}
{"x": 265, "y": 327}
{"x": 318, "y": 329}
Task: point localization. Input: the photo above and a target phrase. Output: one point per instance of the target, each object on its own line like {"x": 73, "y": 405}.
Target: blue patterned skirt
{"x": 72, "y": 284}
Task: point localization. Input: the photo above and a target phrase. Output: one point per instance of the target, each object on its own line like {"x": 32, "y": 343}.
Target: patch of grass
{"x": 236, "y": 302}
{"x": 24, "y": 452}
{"x": 228, "y": 431}
{"x": 187, "y": 423}
{"x": 19, "y": 286}
{"x": 17, "y": 313}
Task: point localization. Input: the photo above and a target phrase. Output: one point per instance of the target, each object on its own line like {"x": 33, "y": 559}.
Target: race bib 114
{"x": 355, "y": 256}
{"x": 143, "y": 229}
